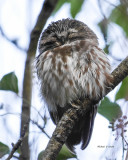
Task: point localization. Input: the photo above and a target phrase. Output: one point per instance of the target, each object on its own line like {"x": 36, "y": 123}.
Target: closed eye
{"x": 49, "y": 43}
{"x": 76, "y": 38}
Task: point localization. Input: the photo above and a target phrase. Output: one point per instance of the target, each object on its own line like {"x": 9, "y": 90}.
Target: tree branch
{"x": 45, "y": 13}
{"x": 72, "y": 115}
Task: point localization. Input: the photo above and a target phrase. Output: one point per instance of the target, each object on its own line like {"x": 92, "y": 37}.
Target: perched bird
{"x": 71, "y": 66}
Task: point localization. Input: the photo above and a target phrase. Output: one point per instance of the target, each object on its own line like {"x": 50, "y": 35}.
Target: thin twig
{"x": 9, "y": 113}
{"x": 40, "y": 127}
{"x": 44, "y": 118}
{"x": 17, "y": 145}
{"x": 101, "y": 10}
{"x": 13, "y": 41}
{"x": 115, "y": 6}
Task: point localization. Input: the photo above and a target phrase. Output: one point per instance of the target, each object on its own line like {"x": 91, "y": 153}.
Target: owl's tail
{"x": 82, "y": 130}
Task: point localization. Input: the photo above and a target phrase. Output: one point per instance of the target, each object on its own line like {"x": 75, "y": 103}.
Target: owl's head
{"x": 65, "y": 31}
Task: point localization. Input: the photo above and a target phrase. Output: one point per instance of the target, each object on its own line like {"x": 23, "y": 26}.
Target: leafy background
{"x": 109, "y": 20}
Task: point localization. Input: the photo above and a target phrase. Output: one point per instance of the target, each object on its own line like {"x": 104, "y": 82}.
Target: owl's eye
{"x": 49, "y": 43}
{"x": 74, "y": 38}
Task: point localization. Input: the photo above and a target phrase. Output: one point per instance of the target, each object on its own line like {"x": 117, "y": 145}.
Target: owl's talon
{"x": 75, "y": 106}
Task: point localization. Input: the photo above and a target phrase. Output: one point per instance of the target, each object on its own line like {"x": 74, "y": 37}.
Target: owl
{"x": 72, "y": 67}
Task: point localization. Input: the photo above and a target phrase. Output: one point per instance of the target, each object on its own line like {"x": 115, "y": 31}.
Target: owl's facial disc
{"x": 67, "y": 35}
{"x": 64, "y": 31}
{"x": 62, "y": 37}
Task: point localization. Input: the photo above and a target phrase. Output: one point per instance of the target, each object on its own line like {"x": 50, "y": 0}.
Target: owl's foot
{"x": 77, "y": 104}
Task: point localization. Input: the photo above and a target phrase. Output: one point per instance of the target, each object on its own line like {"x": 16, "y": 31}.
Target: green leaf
{"x": 40, "y": 155}
{"x": 123, "y": 91}
{"x": 106, "y": 48}
{"x": 59, "y": 5}
{"x": 109, "y": 110}
{"x": 120, "y": 17}
{"x": 75, "y": 7}
{"x": 4, "y": 149}
{"x": 64, "y": 154}
{"x": 9, "y": 82}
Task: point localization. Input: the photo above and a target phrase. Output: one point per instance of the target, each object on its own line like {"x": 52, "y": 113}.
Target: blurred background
{"x": 21, "y": 23}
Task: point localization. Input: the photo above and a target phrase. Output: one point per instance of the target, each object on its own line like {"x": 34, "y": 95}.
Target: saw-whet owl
{"x": 71, "y": 66}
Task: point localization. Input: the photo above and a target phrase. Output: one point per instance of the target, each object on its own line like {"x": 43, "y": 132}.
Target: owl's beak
{"x": 62, "y": 39}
